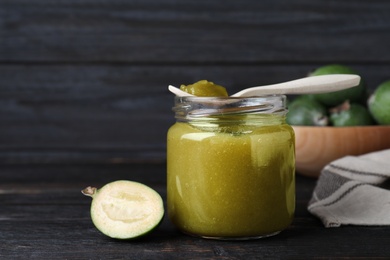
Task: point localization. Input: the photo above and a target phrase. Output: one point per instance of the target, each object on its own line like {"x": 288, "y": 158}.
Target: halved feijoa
{"x": 125, "y": 209}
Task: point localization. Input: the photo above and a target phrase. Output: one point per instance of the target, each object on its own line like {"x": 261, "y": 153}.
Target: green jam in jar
{"x": 204, "y": 88}
{"x": 231, "y": 167}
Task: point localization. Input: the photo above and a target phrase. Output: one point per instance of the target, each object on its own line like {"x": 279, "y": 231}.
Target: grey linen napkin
{"x": 352, "y": 191}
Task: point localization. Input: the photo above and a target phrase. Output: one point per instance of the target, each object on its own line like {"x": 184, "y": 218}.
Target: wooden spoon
{"x": 308, "y": 85}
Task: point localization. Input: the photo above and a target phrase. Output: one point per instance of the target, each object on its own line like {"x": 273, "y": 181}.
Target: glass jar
{"x": 231, "y": 167}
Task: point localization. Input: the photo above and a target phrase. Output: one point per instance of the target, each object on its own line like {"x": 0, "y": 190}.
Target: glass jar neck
{"x": 263, "y": 110}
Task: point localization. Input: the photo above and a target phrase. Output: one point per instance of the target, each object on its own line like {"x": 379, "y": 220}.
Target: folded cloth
{"x": 352, "y": 191}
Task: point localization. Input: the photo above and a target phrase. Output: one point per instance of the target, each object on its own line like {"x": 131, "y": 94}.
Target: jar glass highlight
{"x": 231, "y": 167}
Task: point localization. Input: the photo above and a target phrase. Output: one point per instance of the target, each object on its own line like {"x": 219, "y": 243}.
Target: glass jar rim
{"x": 197, "y": 107}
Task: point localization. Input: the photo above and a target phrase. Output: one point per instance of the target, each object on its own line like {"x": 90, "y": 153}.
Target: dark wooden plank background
{"x": 84, "y": 81}
{"x": 84, "y": 101}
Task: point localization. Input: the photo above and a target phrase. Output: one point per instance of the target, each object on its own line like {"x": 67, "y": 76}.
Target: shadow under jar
{"x": 231, "y": 167}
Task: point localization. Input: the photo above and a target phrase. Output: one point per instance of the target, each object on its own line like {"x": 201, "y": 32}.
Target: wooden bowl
{"x": 317, "y": 146}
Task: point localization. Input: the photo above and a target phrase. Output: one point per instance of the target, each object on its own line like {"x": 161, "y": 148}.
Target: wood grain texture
{"x": 83, "y": 97}
{"x": 318, "y": 146}
{"x": 194, "y": 31}
{"x": 82, "y": 113}
{"x": 48, "y": 218}
{"x": 85, "y": 81}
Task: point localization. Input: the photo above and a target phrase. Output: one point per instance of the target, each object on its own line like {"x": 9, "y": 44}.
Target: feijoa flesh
{"x": 125, "y": 209}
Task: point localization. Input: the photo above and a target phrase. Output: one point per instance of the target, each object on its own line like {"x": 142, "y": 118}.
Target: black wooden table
{"x": 43, "y": 215}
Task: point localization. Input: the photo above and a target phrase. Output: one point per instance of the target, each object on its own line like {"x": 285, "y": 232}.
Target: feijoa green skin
{"x": 125, "y": 209}
{"x": 354, "y": 94}
{"x": 379, "y": 104}
{"x": 350, "y": 115}
{"x": 306, "y": 112}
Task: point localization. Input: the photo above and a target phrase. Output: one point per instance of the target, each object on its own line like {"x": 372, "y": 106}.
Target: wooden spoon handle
{"x": 309, "y": 85}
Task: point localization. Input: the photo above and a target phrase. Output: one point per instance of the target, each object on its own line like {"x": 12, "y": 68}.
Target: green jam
{"x": 235, "y": 184}
{"x": 204, "y": 88}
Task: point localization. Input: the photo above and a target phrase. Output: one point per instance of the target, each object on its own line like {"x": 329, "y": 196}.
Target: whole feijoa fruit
{"x": 331, "y": 99}
{"x": 350, "y": 115}
{"x": 306, "y": 112}
{"x": 125, "y": 209}
{"x": 379, "y": 104}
